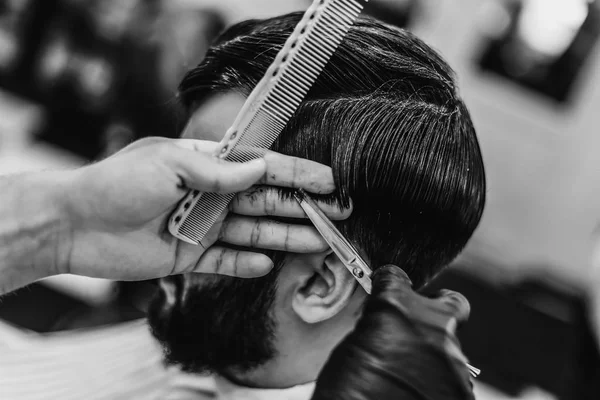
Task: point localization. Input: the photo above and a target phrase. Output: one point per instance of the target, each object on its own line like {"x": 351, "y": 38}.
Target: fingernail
{"x": 260, "y": 265}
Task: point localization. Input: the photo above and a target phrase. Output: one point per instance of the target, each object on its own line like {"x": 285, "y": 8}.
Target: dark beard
{"x": 223, "y": 326}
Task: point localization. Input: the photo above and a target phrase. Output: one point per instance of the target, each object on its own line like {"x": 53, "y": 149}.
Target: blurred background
{"x": 79, "y": 79}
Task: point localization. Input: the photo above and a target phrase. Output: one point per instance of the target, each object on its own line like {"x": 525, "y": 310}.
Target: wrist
{"x": 34, "y": 228}
{"x": 53, "y": 221}
{"x": 60, "y": 192}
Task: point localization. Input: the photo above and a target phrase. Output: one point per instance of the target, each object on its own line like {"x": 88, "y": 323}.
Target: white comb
{"x": 270, "y": 106}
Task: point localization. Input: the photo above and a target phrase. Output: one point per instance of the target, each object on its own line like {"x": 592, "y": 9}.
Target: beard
{"x": 214, "y": 323}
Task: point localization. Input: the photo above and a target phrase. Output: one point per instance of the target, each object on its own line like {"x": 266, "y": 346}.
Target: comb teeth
{"x": 274, "y": 101}
{"x": 194, "y": 226}
{"x": 473, "y": 371}
{"x": 296, "y": 77}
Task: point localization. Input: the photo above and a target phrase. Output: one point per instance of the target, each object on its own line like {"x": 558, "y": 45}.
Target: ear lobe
{"x": 327, "y": 292}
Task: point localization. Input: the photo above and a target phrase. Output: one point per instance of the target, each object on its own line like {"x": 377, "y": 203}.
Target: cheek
{"x": 282, "y": 309}
{"x": 357, "y": 303}
{"x": 338, "y": 327}
{"x": 290, "y": 278}
{"x": 196, "y": 129}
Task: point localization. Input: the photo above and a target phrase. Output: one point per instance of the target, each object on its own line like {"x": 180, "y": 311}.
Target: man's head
{"x": 386, "y": 116}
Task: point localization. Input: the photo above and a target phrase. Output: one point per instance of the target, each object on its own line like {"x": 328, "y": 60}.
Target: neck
{"x": 275, "y": 374}
{"x": 295, "y": 363}
{"x": 228, "y": 390}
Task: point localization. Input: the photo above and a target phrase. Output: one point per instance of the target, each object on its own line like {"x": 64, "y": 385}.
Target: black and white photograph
{"x": 300, "y": 199}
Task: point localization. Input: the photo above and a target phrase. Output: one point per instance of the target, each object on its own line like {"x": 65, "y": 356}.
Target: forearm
{"x": 34, "y": 228}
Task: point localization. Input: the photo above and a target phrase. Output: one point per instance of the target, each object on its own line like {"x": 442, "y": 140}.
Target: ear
{"x": 325, "y": 292}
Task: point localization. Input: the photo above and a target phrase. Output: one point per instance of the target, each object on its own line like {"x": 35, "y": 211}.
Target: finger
{"x": 282, "y": 170}
{"x": 390, "y": 280}
{"x": 287, "y": 171}
{"x": 268, "y": 200}
{"x": 456, "y": 304}
{"x": 453, "y": 348}
{"x": 262, "y": 233}
{"x": 225, "y": 261}
{"x": 200, "y": 171}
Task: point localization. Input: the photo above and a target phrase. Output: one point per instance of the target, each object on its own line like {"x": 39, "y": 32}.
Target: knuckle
{"x": 236, "y": 203}
{"x": 273, "y": 159}
{"x": 275, "y": 164}
{"x": 224, "y": 229}
{"x": 457, "y": 303}
{"x": 271, "y": 200}
{"x": 200, "y": 145}
{"x": 219, "y": 259}
{"x": 216, "y": 179}
{"x": 150, "y": 140}
{"x": 235, "y": 262}
{"x": 256, "y": 233}
{"x": 296, "y": 171}
{"x": 162, "y": 150}
{"x": 216, "y": 183}
{"x": 286, "y": 243}
{"x": 200, "y": 263}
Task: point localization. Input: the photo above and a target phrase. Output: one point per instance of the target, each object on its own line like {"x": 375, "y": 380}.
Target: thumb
{"x": 456, "y": 304}
{"x": 201, "y": 171}
{"x": 390, "y": 278}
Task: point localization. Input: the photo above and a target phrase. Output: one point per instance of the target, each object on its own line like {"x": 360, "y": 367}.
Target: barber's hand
{"x": 433, "y": 320}
{"x": 119, "y": 209}
{"x": 403, "y": 347}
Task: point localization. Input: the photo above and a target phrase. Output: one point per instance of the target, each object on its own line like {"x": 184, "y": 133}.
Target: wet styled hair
{"x": 385, "y": 114}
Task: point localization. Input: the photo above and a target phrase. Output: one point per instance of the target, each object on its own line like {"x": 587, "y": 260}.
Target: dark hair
{"x": 386, "y": 116}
